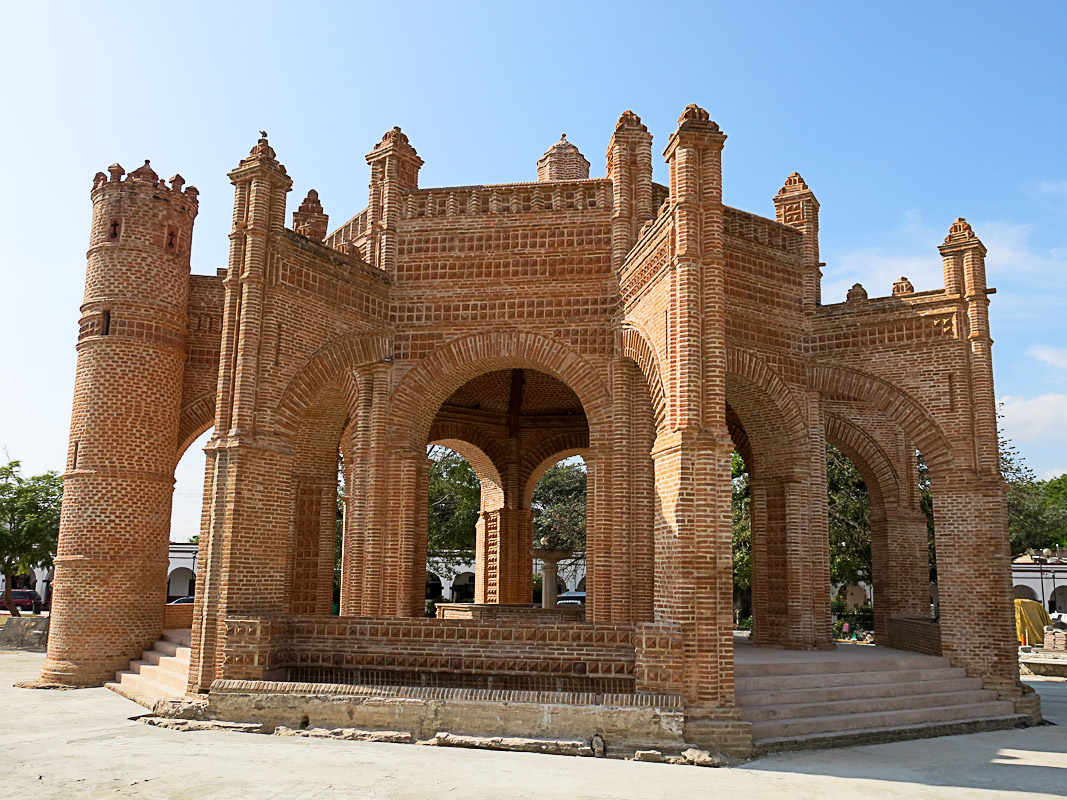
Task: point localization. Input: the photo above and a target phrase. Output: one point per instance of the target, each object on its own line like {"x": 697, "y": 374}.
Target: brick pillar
{"x": 111, "y": 563}
{"x": 815, "y": 530}
{"x": 394, "y": 170}
{"x": 248, "y": 481}
{"x": 366, "y": 499}
{"x": 405, "y": 535}
{"x": 964, "y": 257}
{"x": 314, "y": 532}
{"x": 694, "y": 562}
{"x": 247, "y": 559}
{"x": 909, "y": 553}
{"x": 795, "y": 205}
{"x": 974, "y": 576}
{"x": 629, "y": 165}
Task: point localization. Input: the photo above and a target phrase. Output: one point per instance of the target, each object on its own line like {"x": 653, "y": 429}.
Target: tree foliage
{"x": 559, "y": 506}
{"x": 29, "y": 523}
{"x": 742, "y": 524}
{"x": 455, "y": 504}
{"x": 849, "y": 509}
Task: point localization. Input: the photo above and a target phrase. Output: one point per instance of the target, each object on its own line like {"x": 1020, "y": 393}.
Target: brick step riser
{"x": 823, "y": 668}
{"x": 885, "y": 719}
{"x": 745, "y": 684}
{"x": 857, "y": 692}
{"x": 786, "y": 713}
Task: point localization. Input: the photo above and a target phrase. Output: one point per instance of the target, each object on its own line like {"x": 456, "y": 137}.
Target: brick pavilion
{"x": 650, "y": 329}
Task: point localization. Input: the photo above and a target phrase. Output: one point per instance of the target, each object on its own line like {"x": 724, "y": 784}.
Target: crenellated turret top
{"x": 145, "y": 175}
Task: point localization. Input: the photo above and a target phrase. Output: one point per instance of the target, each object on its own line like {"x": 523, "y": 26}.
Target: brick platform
{"x": 651, "y": 329}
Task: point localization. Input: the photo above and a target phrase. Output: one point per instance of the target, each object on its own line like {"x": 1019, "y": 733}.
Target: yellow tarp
{"x": 1031, "y": 619}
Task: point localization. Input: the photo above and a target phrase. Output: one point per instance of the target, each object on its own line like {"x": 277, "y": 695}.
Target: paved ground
{"x": 83, "y": 744}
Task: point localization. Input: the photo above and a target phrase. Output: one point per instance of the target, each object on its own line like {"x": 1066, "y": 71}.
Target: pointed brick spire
{"x": 309, "y": 220}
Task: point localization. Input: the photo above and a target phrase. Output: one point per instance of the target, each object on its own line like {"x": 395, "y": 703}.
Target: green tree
{"x": 455, "y": 504}
{"x": 559, "y": 500}
{"x": 742, "y": 524}
{"x": 29, "y": 523}
{"x": 849, "y": 509}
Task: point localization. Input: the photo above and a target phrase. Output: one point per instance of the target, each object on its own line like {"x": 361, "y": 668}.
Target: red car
{"x": 26, "y": 600}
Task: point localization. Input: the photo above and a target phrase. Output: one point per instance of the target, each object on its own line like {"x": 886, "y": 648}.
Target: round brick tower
{"x": 111, "y": 565}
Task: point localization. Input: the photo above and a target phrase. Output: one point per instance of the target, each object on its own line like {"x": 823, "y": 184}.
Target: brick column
{"x": 974, "y": 576}
{"x": 111, "y": 562}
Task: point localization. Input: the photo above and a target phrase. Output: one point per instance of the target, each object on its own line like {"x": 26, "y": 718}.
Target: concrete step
{"x": 860, "y": 691}
{"x": 899, "y": 702}
{"x": 167, "y": 648}
{"x": 178, "y": 662}
{"x": 182, "y": 636}
{"x": 887, "y": 663}
{"x": 139, "y": 688}
{"x": 843, "y": 723}
{"x": 854, "y": 738}
{"x": 172, "y": 680}
{"x": 160, "y": 674}
{"x": 745, "y": 683}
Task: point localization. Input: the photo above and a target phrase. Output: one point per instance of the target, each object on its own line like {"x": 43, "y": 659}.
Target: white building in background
{"x": 181, "y": 574}
{"x": 460, "y": 586}
{"x": 1041, "y": 578}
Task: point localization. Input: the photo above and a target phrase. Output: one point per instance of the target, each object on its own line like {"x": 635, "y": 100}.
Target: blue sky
{"x": 901, "y": 117}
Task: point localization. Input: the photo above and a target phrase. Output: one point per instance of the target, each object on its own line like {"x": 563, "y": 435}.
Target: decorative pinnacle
{"x": 696, "y": 118}
{"x": 144, "y": 173}
{"x": 961, "y": 229}
{"x": 856, "y": 293}
{"x": 630, "y": 120}
{"x": 794, "y": 183}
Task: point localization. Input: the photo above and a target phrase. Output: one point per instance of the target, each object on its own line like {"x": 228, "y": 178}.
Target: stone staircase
{"x": 159, "y": 674}
{"x": 802, "y": 703}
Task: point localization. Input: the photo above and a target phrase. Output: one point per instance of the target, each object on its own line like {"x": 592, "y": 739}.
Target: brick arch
{"x": 634, "y": 345}
{"x": 754, "y": 373}
{"x": 320, "y": 427}
{"x": 196, "y": 417}
{"x": 538, "y": 460}
{"x": 483, "y": 466}
{"x": 459, "y": 431}
{"x": 894, "y": 402}
{"x": 335, "y": 360}
{"x": 739, "y": 436}
{"x": 870, "y": 459}
{"x": 421, "y": 391}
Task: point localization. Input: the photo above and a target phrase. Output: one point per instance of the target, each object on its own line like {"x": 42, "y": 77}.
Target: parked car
{"x": 182, "y": 601}
{"x": 27, "y": 600}
{"x": 571, "y": 599}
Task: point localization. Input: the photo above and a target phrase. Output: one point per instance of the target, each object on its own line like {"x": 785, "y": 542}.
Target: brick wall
{"x": 920, "y": 635}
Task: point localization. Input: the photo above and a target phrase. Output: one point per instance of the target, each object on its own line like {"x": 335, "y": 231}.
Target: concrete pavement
{"x": 83, "y": 744}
